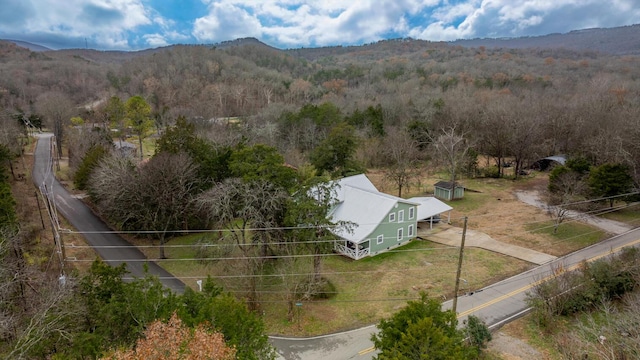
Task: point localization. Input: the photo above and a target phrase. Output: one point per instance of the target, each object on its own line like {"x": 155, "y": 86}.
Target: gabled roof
{"x": 446, "y": 184}
{"x": 362, "y": 205}
{"x": 429, "y": 207}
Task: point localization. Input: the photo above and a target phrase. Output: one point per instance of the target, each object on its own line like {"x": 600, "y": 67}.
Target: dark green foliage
{"x": 261, "y": 163}
{"x": 584, "y": 289}
{"x": 420, "y": 132}
{"x": 310, "y": 125}
{"x": 422, "y": 331}
{"x": 478, "y": 333}
{"x": 335, "y": 154}
{"x": 89, "y": 162}
{"x": 7, "y": 202}
{"x": 212, "y": 161}
{"x": 372, "y": 117}
{"x": 241, "y": 328}
{"x": 610, "y": 180}
{"x": 118, "y": 311}
{"x": 579, "y": 165}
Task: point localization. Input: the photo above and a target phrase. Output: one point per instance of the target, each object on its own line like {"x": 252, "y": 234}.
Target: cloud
{"x": 134, "y": 24}
{"x": 105, "y": 23}
{"x": 226, "y": 21}
{"x": 508, "y": 18}
{"x": 155, "y": 40}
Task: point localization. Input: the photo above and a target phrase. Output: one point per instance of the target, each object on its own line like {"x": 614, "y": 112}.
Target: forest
{"x": 244, "y": 137}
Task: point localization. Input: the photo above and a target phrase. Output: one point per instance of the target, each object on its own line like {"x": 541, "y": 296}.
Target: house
{"x": 376, "y": 221}
{"x": 446, "y": 191}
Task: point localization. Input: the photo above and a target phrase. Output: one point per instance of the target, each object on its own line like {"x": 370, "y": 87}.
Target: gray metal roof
{"x": 429, "y": 207}
{"x": 360, "y": 203}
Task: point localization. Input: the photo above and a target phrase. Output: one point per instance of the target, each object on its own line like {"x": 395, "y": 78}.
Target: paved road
{"x": 495, "y": 304}
{"x": 97, "y": 233}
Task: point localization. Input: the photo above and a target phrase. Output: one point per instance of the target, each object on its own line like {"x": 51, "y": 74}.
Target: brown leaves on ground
{"x": 173, "y": 340}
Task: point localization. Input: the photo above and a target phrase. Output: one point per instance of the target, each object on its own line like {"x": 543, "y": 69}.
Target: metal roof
{"x": 429, "y": 207}
{"x": 362, "y": 205}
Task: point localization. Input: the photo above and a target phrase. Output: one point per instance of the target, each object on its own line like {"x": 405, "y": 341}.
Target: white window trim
{"x": 400, "y": 234}
{"x": 380, "y": 239}
{"x": 401, "y": 216}
{"x": 392, "y": 217}
{"x": 412, "y": 212}
{"x": 410, "y": 231}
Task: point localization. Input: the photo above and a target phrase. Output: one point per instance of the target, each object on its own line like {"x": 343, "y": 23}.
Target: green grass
{"x": 367, "y": 290}
{"x": 627, "y": 215}
{"x": 573, "y": 235}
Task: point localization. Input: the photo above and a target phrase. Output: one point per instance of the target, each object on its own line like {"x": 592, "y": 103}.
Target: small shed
{"x": 445, "y": 190}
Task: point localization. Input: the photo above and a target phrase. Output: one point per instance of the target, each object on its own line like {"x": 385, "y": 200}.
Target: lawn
{"x": 366, "y": 290}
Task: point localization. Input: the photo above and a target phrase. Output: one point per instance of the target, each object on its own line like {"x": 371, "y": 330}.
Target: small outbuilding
{"x": 445, "y": 190}
{"x": 430, "y": 209}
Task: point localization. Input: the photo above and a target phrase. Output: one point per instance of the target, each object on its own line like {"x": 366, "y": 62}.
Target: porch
{"x": 351, "y": 249}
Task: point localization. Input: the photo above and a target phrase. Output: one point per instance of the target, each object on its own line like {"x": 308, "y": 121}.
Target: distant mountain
{"x": 28, "y": 45}
{"x": 623, "y": 40}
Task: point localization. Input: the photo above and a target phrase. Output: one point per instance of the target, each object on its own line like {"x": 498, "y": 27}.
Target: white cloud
{"x": 155, "y": 40}
{"x": 226, "y": 21}
{"x": 104, "y": 21}
{"x": 122, "y": 24}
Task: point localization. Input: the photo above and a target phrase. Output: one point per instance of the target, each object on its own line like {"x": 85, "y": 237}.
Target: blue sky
{"x": 141, "y": 24}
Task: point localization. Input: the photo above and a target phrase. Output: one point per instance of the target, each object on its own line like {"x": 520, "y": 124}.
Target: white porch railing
{"x": 352, "y": 253}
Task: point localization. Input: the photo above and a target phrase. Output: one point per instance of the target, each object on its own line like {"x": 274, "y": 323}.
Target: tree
{"x": 173, "y": 340}
{"x": 261, "y": 163}
{"x": 114, "y": 113}
{"x": 336, "y": 153}
{"x": 610, "y": 180}
{"x": 451, "y": 149}
{"x": 57, "y": 109}
{"x": 401, "y": 152}
{"x": 242, "y": 329}
{"x": 119, "y": 311}
{"x": 421, "y": 330}
{"x": 157, "y": 196}
{"x": 90, "y": 160}
{"x": 239, "y": 207}
{"x": 212, "y": 161}
{"x": 138, "y": 116}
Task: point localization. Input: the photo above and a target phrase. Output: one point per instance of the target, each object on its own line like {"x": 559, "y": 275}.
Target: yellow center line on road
{"x": 527, "y": 287}
{"x": 534, "y": 284}
{"x": 366, "y": 351}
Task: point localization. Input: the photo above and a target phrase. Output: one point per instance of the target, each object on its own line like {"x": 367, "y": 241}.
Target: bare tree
{"x": 451, "y": 149}
{"x": 57, "y": 109}
{"x": 157, "y": 196}
{"x": 240, "y": 207}
{"x": 401, "y": 152}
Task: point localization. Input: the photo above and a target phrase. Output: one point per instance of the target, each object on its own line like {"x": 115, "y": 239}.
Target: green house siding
{"x": 389, "y": 229}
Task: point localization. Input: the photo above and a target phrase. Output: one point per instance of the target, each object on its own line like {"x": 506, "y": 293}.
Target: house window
{"x": 401, "y": 216}
{"x": 411, "y": 213}
{"x": 410, "y": 231}
{"x": 380, "y": 239}
{"x": 400, "y": 234}
{"x": 392, "y": 217}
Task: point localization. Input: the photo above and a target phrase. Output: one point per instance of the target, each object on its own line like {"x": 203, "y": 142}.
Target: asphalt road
{"x": 96, "y": 232}
{"x": 496, "y": 304}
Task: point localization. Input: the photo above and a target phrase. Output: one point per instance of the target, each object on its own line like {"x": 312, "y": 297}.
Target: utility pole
{"x": 455, "y": 294}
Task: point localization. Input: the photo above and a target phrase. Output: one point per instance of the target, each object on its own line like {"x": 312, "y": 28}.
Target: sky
{"x": 142, "y": 24}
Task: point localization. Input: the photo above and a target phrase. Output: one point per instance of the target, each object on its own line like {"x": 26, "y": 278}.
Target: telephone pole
{"x": 455, "y": 294}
